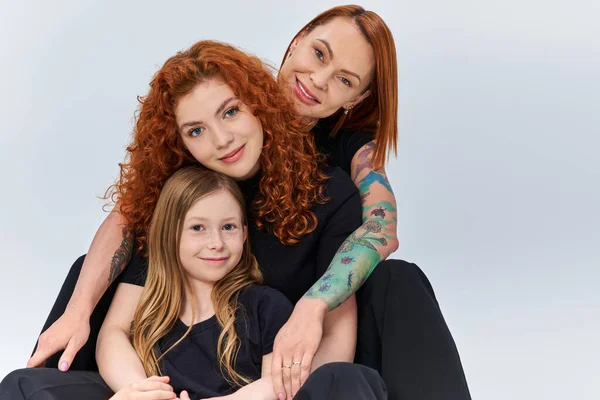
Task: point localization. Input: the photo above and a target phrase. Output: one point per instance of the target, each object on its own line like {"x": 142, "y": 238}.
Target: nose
{"x": 216, "y": 241}
{"x": 319, "y": 78}
{"x": 222, "y": 137}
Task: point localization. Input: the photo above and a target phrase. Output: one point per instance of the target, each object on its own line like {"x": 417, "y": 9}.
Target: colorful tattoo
{"x": 364, "y": 158}
{"x": 373, "y": 177}
{"x": 379, "y": 212}
{"x": 347, "y": 260}
{"x": 122, "y": 256}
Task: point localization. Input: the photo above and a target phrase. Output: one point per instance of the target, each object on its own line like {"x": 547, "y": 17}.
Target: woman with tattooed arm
{"x": 341, "y": 69}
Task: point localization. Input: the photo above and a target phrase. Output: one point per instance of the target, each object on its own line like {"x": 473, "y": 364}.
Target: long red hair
{"x": 379, "y": 111}
{"x": 291, "y": 180}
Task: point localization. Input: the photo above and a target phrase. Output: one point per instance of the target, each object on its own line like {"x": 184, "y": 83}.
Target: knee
{"x": 364, "y": 381}
{"x": 10, "y": 386}
{"x": 346, "y": 370}
{"x": 399, "y": 273}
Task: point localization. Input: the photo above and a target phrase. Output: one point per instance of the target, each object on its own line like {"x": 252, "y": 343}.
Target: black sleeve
{"x": 273, "y": 310}
{"x": 344, "y": 219}
{"x": 352, "y": 142}
{"x": 136, "y": 271}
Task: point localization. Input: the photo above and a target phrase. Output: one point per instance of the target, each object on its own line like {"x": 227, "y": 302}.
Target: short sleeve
{"x": 273, "y": 310}
{"x": 136, "y": 271}
{"x": 341, "y": 148}
{"x": 352, "y": 142}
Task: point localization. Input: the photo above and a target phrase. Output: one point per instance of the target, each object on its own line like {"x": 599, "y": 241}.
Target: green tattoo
{"x": 352, "y": 264}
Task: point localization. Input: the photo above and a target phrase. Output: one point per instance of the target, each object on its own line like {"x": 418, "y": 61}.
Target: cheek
{"x": 199, "y": 149}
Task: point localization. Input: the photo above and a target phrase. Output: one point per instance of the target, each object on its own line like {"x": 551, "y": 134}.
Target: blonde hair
{"x": 167, "y": 286}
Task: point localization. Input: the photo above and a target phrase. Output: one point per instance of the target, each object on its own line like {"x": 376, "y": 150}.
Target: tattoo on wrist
{"x": 121, "y": 256}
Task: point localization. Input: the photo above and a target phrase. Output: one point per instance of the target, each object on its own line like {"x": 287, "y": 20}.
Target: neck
{"x": 203, "y": 298}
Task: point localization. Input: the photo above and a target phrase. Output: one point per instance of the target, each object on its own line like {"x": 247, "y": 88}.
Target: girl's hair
{"x": 291, "y": 180}
{"x": 379, "y": 111}
{"x": 167, "y": 286}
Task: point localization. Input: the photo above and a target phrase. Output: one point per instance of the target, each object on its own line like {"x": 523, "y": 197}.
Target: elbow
{"x": 392, "y": 245}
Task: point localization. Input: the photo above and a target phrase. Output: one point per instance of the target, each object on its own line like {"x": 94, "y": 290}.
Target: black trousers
{"x": 401, "y": 333}
{"x": 335, "y": 381}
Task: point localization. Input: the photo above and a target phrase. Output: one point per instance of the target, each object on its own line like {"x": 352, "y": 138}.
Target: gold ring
{"x": 286, "y": 366}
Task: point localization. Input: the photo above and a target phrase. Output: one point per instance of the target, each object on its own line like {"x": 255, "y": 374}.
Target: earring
{"x": 348, "y": 109}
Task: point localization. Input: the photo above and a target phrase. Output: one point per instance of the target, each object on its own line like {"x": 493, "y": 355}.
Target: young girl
{"x": 202, "y": 319}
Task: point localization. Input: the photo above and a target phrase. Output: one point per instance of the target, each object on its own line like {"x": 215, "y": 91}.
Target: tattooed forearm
{"x": 350, "y": 267}
{"x": 122, "y": 256}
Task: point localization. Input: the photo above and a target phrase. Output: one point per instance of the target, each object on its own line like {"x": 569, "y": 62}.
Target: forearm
{"x": 352, "y": 264}
{"x": 261, "y": 389}
{"x": 339, "y": 335}
{"x": 108, "y": 255}
{"x": 118, "y": 363}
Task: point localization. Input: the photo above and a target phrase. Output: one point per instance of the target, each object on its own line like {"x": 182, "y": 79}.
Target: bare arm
{"x": 260, "y": 389}
{"x": 339, "y": 335}
{"x": 108, "y": 255}
{"x": 118, "y": 363}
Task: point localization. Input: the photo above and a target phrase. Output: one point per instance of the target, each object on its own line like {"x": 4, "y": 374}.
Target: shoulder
{"x": 259, "y": 296}
{"x": 339, "y": 187}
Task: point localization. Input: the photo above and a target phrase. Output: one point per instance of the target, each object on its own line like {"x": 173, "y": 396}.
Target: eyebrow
{"x": 219, "y": 110}
{"x": 203, "y": 219}
{"x": 326, "y": 43}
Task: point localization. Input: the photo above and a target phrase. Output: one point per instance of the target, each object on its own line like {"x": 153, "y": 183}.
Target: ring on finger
{"x": 296, "y": 363}
{"x": 286, "y": 366}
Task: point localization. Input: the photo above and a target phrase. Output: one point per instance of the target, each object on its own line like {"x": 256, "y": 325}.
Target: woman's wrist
{"x": 312, "y": 306}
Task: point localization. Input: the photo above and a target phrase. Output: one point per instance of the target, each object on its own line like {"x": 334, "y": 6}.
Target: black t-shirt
{"x": 293, "y": 269}
{"x": 193, "y": 364}
{"x": 340, "y": 149}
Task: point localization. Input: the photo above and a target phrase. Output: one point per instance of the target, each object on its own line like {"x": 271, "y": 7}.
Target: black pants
{"x": 401, "y": 333}
{"x": 335, "y": 381}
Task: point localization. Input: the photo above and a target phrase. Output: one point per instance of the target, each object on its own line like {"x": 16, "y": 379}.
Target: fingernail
{"x": 281, "y": 396}
{"x": 64, "y": 366}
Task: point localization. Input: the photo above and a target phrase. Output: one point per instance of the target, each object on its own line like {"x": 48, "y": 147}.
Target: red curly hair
{"x": 291, "y": 179}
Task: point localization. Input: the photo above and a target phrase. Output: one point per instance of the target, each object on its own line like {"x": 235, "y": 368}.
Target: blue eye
{"x": 229, "y": 227}
{"x": 197, "y": 228}
{"x": 346, "y": 81}
{"x": 195, "y": 132}
{"x": 231, "y": 112}
{"x": 319, "y": 54}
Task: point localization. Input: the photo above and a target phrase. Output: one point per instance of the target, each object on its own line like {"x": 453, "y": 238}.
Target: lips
{"x": 234, "y": 155}
{"x": 304, "y": 94}
{"x": 215, "y": 260}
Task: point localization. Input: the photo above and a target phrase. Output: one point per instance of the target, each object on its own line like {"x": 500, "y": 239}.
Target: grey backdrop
{"x": 496, "y": 177}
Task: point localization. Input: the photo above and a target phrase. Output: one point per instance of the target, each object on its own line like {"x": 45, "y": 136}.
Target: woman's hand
{"x": 295, "y": 346}
{"x": 153, "y": 388}
{"x": 70, "y": 332}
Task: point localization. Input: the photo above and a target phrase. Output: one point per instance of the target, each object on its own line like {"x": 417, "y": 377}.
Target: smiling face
{"x": 212, "y": 237}
{"x": 219, "y": 130}
{"x": 329, "y": 68}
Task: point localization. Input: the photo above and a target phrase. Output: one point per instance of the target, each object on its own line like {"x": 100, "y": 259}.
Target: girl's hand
{"x": 153, "y": 388}
{"x": 184, "y": 396}
{"x": 295, "y": 347}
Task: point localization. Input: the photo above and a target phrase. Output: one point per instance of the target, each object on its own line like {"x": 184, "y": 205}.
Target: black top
{"x": 193, "y": 364}
{"x": 340, "y": 149}
{"x": 293, "y": 269}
